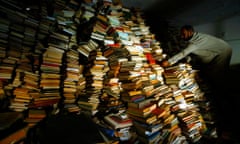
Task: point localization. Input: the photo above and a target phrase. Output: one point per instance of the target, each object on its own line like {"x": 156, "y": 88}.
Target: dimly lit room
{"x": 119, "y": 71}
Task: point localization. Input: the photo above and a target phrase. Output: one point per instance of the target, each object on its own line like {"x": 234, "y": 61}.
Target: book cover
{"x": 117, "y": 122}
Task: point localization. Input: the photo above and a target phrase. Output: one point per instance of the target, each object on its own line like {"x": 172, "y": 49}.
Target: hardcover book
{"x": 117, "y": 122}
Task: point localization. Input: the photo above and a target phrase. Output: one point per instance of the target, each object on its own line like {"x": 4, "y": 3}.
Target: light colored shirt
{"x": 204, "y": 46}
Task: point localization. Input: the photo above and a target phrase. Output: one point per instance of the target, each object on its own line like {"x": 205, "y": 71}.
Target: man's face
{"x": 186, "y": 35}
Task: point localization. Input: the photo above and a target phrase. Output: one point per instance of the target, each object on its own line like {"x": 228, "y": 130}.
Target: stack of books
{"x": 86, "y": 55}
{"x": 192, "y": 125}
{"x": 50, "y": 77}
{"x": 121, "y": 123}
{"x": 70, "y": 83}
{"x": 34, "y": 116}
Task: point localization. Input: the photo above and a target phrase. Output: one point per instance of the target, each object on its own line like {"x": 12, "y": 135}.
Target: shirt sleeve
{"x": 174, "y": 59}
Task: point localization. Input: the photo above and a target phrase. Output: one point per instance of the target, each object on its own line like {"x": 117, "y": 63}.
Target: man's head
{"x": 186, "y": 32}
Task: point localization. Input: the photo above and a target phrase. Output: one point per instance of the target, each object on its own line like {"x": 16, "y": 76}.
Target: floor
{"x": 233, "y": 100}
{"x": 229, "y": 116}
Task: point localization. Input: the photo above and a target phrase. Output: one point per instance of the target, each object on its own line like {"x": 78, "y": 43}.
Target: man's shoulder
{"x": 206, "y": 35}
{"x": 200, "y": 37}
{"x": 202, "y": 34}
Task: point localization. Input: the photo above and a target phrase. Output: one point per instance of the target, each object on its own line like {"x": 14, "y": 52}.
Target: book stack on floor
{"x": 162, "y": 95}
{"x": 72, "y": 69}
{"x": 23, "y": 51}
{"x": 121, "y": 124}
{"x": 50, "y": 79}
{"x": 34, "y": 116}
{"x": 21, "y": 99}
{"x": 72, "y": 76}
{"x": 31, "y": 81}
{"x": 101, "y": 60}
{"x": 90, "y": 99}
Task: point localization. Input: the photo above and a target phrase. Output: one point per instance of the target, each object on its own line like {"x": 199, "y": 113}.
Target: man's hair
{"x": 187, "y": 27}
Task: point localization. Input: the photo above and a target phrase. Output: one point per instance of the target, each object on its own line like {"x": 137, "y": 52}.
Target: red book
{"x": 115, "y": 45}
{"x": 159, "y": 112}
{"x": 116, "y": 122}
{"x": 120, "y": 120}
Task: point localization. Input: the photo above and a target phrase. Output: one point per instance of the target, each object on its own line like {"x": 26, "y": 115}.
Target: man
{"x": 212, "y": 54}
{"x": 212, "y": 57}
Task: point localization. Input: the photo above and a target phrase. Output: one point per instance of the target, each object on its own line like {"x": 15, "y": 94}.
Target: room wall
{"x": 228, "y": 30}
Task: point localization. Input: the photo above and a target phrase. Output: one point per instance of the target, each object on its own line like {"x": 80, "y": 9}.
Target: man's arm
{"x": 174, "y": 59}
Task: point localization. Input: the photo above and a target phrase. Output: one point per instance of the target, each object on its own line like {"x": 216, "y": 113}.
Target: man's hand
{"x": 165, "y": 63}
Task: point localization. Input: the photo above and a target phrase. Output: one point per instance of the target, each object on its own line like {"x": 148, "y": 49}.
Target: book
{"x": 140, "y": 104}
{"x": 154, "y": 138}
{"x": 142, "y": 112}
{"x": 133, "y": 99}
{"x": 147, "y": 130}
{"x": 150, "y": 119}
{"x": 36, "y": 113}
{"x": 117, "y": 122}
{"x": 159, "y": 112}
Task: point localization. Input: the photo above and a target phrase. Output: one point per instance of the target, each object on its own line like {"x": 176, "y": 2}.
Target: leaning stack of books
{"x": 31, "y": 81}
{"x": 95, "y": 78}
{"x": 21, "y": 99}
{"x": 4, "y": 34}
{"x": 192, "y": 124}
{"x": 50, "y": 77}
{"x": 7, "y": 68}
{"x": 46, "y": 25}
{"x": 72, "y": 75}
